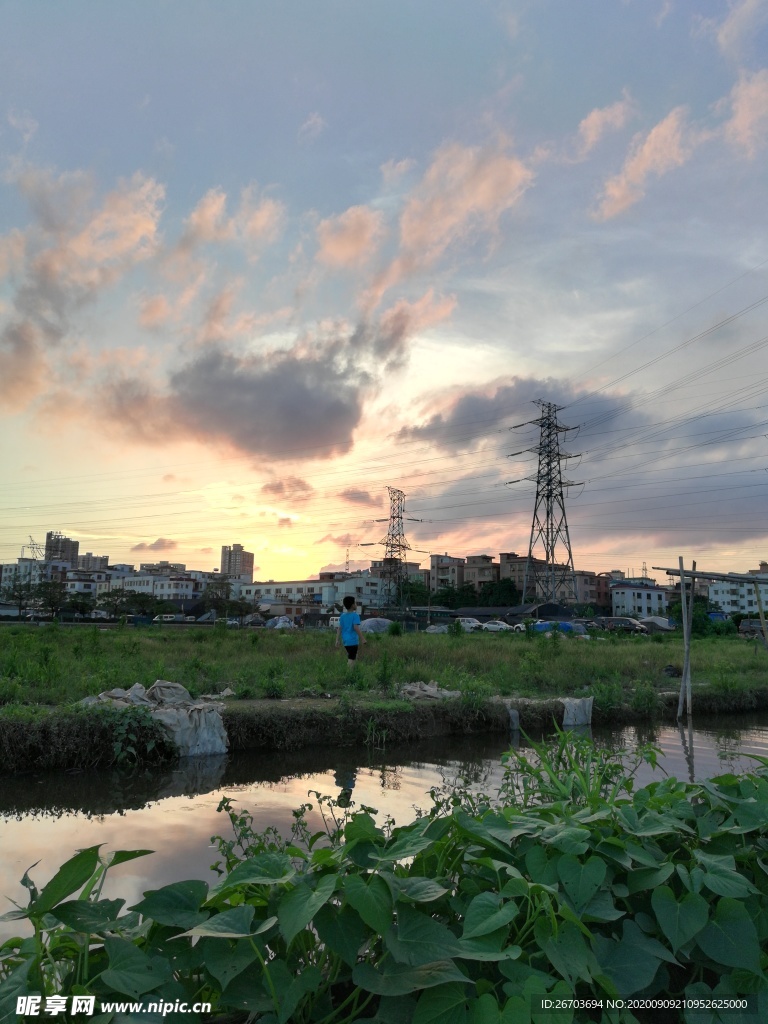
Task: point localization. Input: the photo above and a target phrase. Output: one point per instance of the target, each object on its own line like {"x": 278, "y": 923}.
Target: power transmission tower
{"x": 394, "y": 572}
{"x": 545, "y": 576}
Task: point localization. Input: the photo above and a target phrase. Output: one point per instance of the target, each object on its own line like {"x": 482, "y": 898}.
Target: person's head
{"x": 349, "y": 603}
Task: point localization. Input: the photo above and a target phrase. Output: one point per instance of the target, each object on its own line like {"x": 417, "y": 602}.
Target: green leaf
{"x": 71, "y": 876}
{"x": 486, "y": 914}
{"x": 84, "y": 916}
{"x": 225, "y": 960}
{"x": 265, "y": 869}
{"x": 343, "y": 931}
{"x": 630, "y": 963}
{"x": 246, "y": 991}
{"x": 14, "y": 985}
{"x": 567, "y": 951}
{"x": 229, "y": 924}
{"x": 401, "y": 979}
{"x": 363, "y": 826}
{"x": 177, "y": 904}
{"x": 408, "y": 843}
{"x": 131, "y": 971}
{"x": 306, "y": 983}
{"x": 420, "y": 890}
{"x": 446, "y": 1004}
{"x": 680, "y": 920}
{"x": 581, "y": 881}
{"x": 372, "y": 901}
{"x": 649, "y": 878}
{"x": 123, "y": 856}
{"x": 730, "y": 937}
{"x": 417, "y": 939}
{"x": 298, "y": 906}
{"x": 722, "y": 877}
{"x": 567, "y": 839}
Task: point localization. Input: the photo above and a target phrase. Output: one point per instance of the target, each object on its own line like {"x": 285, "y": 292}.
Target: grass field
{"x": 55, "y": 665}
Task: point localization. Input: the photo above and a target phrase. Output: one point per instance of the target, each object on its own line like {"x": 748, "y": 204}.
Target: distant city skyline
{"x": 259, "y": 263}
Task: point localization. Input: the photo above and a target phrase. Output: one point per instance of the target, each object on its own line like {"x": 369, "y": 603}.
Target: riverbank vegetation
{"x": 58, "y": 665}
{"x": 568, "y": 884}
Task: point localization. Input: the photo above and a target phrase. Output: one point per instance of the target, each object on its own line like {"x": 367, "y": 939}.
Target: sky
{"x": 260, "y": 262}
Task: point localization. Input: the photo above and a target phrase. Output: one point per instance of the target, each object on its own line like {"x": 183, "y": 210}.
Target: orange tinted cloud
{"x": 464, "y": 191}
{"x": 601, "y": 120}
{"x": 747, "y": 127}
{"x": 668, "y": 145}
{"x": 351, "y": 238}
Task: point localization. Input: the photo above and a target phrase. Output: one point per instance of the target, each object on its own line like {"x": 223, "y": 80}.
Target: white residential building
{"x": 738, "y": 596}
{"x": 638, "y": 598}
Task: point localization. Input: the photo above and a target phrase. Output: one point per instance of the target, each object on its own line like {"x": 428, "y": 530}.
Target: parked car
{"x": 622, "y": 624}
{"x": 497, "y": 626}
{"x": 468, "y": 624}
{"x": 750, "y": 627}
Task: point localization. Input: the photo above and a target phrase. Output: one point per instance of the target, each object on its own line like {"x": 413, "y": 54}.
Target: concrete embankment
{"x": 65, "y": 739}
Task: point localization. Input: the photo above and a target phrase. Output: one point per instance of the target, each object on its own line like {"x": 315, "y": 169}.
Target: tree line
{"x": 51, "y": 598}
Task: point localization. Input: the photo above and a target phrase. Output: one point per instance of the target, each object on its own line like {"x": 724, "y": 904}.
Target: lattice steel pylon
{"x": 394, "y": 570}
{"x": 546, "y": 578}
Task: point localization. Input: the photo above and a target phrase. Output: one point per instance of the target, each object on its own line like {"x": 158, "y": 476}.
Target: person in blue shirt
{"x": 349, "y": 632}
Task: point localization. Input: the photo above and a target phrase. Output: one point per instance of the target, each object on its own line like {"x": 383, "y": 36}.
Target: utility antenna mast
{"x": 394, "y": 572}
{"x": 545, "y": 577}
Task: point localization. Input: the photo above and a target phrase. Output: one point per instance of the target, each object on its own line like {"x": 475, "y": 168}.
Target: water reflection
{"x": 174, "y": 812}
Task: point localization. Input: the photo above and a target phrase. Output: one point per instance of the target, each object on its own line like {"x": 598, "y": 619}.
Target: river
{"x": 45, "y": 818}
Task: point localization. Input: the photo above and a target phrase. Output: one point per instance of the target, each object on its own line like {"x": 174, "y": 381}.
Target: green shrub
{"x": 568, "y": 885}
{"x": 395, "y": 629}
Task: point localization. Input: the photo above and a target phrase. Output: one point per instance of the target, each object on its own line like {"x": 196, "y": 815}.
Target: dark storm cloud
{"x": 161, "y": 544}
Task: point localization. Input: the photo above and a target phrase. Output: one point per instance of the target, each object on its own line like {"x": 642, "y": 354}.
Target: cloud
{"x": 386, "y": 337}
{"x": 312, "y": 128}
{"x": 351, "y": 238}
{"x": 265, "y": 405}
{"x": 747, "y": 127}
{"x": 260, "y": 219}
{"x": 12, "y": 249}
{"x": 24, "y": 124}
{"x": 292, "y": 488}
{"x": 78, "y": 246}
{"x": 285, "y": 521}
{"x": 344, "y": 541}
{"x": 208, "y": 221}
{"x": 668, "y": 145}
{"x": 22, "y": 365}
{"x": 155, "y": 312}
{"x": 740, "y": 26}
{"x": 393, "y": 170}
{"x": 360, "y": 497}
{"x": 602, "y": 120}
{"x": 465, "y": 191}
{"x": 161, "y": 544}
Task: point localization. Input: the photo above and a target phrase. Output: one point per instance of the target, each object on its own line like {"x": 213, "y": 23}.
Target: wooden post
{"x": 761, "y": 613}
{"x": 689, "y": 698}
{"x": 686, "y": 642}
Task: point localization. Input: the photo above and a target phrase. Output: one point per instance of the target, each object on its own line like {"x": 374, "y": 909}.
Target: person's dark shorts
{"x": 351, "y": 651}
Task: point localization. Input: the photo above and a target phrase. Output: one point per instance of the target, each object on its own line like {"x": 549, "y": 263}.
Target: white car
{"x": 469, "y": 624}
{"x": 497, "y": 626}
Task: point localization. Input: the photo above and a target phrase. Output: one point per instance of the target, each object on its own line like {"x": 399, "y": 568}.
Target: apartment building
{"x": 638, "y": 598}
{"x": 445, "y": 571}
{"x": 59, "y": 548}
{"x": 237, "y": 562}
{"x": 738, "y": 596}
{"x": 480, "y": 570}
